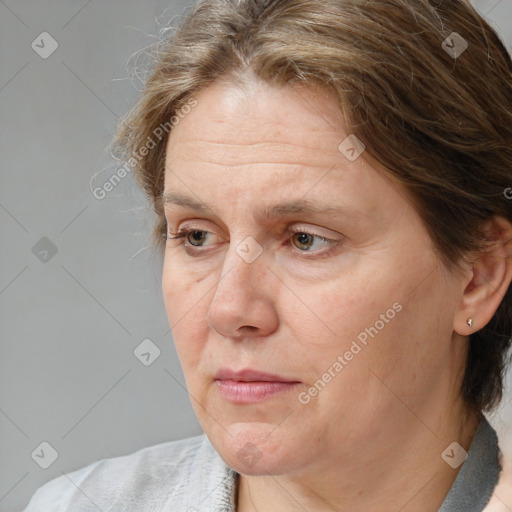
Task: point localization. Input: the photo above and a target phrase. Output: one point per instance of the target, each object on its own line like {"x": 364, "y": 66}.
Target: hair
{"x": 440, "y": 123}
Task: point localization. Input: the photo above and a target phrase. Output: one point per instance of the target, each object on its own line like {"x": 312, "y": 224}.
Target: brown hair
{"x": 439, "y": 121}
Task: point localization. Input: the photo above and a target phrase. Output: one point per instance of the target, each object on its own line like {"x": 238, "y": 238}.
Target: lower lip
{"x": 252, "y": 392}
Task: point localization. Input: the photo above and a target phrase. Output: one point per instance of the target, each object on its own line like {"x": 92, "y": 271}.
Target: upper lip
{"x": 249, "y": 375}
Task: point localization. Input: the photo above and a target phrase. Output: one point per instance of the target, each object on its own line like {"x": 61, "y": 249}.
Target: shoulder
{"x": 145, "y": 478}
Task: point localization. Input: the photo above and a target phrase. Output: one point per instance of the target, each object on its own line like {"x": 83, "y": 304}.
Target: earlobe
{"x": 490, "y": 279}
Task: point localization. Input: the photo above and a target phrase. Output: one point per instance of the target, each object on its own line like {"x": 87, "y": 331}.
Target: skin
{"x": 373, "y": 436}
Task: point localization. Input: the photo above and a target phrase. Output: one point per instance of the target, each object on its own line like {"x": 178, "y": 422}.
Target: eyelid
{"x": 190, "y": 226}
{"x": 310, "y": 231}
{"x": 299, "y": 229}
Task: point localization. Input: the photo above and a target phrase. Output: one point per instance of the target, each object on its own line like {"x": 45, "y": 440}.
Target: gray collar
{"x": 478, "y": 475}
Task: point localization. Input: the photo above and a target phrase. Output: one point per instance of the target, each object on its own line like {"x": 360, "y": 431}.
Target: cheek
{"x": 343, "y": 310}
{"x": 375, "y": 322}
{"x": 182, "y": 288}
{"x": 385, "y": 367}
{"x": 186, "y": 306}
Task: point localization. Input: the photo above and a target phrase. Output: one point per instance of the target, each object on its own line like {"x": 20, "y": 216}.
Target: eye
{"x": 306, "y": 240}
{"x": 198, "y": 236}
{"x": 193, "y": 240}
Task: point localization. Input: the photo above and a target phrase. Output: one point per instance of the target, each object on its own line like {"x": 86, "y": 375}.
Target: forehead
{"x": 270, "y": 140}
{"x": 295, "y": 116}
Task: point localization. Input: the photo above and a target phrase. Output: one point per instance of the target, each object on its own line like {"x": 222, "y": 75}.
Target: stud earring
{"x": 470, "y": 322}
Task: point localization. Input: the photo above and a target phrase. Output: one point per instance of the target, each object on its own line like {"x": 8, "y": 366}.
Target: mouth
{"x": 251, "y": 386}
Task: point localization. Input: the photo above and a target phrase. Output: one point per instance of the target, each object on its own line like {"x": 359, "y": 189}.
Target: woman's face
{"x": 339, "y": 293}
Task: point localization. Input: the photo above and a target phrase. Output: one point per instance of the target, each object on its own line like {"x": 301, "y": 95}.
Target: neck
{"x": 402, "y": 470}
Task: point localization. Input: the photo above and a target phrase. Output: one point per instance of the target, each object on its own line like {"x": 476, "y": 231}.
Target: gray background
{"x": 71, "y": 319}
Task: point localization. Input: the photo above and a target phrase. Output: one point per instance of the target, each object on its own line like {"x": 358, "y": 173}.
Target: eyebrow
{"x": 266, "y": 212}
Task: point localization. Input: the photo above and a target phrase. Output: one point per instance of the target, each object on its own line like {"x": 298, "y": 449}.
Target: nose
{"x": 243, "y": 304}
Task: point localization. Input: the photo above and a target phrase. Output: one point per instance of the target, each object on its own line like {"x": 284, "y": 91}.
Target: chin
{"x": 252, "y": 448}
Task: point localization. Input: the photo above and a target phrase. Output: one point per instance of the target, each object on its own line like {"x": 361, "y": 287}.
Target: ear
{"x": 488, "y": 278}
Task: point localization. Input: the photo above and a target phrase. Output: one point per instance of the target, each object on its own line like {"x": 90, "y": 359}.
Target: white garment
{"x": 177, "y": 476}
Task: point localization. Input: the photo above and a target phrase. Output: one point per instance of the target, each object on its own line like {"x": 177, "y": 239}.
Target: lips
{"x": 249, "y": 375}
{"x": 251, "y": 386}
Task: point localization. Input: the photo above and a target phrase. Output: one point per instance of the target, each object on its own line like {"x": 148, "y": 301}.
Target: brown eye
{"x": 196, "y": 236}
{"x": 304, "y": 239}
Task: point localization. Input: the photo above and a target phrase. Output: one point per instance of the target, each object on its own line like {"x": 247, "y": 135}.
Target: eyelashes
{"x": 304, "y": 235}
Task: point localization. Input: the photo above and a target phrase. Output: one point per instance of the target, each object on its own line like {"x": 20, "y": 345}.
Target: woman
{"x": 330, "y": 179}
